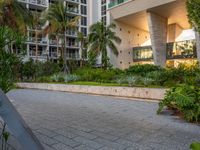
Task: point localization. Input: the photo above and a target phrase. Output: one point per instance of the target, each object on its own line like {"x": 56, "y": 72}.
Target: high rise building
{"x": 48, "y": 46}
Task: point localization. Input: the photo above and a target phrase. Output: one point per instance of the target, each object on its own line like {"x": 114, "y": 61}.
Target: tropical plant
{"x": 70, "y": 78}
{"x": 14, "y": 15}
{"x": 7, "y": 59}
{"x": 195, "y": 146}
{"x": 184, "y": 99}
{"x": 142, "y": 69}
{"x": 59, "y": 21}
{"x": 102, "y": 37}
{"x": 193, "y": 7}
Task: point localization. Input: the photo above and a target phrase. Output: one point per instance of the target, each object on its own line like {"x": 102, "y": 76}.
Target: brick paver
{"x": 67, "y": 121}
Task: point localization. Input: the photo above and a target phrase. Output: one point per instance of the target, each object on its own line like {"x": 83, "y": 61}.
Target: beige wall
{"x": 131, "y": 37}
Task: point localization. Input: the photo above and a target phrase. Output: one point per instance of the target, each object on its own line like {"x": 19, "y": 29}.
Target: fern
{"x": 185, "y": 99}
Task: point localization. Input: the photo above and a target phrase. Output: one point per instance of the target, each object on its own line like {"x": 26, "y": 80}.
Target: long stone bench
{"x": 129, "y": 92}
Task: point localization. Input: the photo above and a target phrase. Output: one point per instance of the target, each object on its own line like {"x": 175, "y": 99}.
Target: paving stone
{"x": 46, "y": 132}
{"x": 89, "y": 143}
{"x": 83, "y": 147}
{"x": 113, "y": 145}
{"x": 61, "y": 146}
{"x": 71, "y": 121}
{"x": 66, "y": 141}
{"x": 46, "y": 140}
{"x": 105, "y": 136}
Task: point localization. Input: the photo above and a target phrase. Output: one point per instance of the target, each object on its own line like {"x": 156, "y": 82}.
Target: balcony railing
{"x": 175, "y": 50}
{"x": 181, "y": 50}
{"x": 35, "y": 2}
{"x": 72, "y": 10}
{"x": 143, "y": 53}
{"x": 116, "y": 2}
{"x": 76, "y": 1}
{"x": 73, "y": 55}
{"x": 39, "y": 40}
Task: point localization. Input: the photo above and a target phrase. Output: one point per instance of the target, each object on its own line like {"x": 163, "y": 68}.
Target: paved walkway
{"x": 66, "y": 121}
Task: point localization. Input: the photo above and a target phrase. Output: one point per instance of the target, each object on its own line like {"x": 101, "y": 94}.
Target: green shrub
{"x": 95, "y": 74}
{"x": 195, "y": 146}
{"x": 57, "y": 77}
{"x": 159, "y": 77}
{"x": 71, "y": 78}
{"x": 8, "y": 62}
{"x": 121, "y": 80}
{"x": 147, "y": 81}
{"x": 185, "y": 99}
{"x": 44, "y": 79}
{"x": 32, "y": 70}
{"x": 142, "y": 69}
{"x": 134, "y": 80}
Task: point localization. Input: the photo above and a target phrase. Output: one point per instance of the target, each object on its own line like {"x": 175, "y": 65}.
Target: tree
{"x": 83, "y": 43}
{"x": 13, "y": 14}
{"x": 7, "y": 59}
{"x": 57, "y": 16}
{"x": 193, "y": 7}
{"x": 102, "y": 37}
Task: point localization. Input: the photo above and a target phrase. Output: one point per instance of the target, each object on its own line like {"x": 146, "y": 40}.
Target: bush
{"x": 44, "y": 79}
{"x": 142, "y": 69}
{"x": 134, "y": 80}
{"x": 8, "y": 62}
{"x": 57, "y": 78}
{"x": 159, "y": 77}
{"x": 95, "y": 74}
{"x": 32, "y": 70}
{"x": 71, "y": 78}
{"x": 184, "y": 99}
{"x": 195, "y": 146}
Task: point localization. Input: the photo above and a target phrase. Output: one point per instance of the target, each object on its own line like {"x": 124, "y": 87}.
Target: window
{"x": 84, "y": 1}
{"x": 84, "y": 21}
{"x": 83, "y": 10}
{"x": 84, "y": 31}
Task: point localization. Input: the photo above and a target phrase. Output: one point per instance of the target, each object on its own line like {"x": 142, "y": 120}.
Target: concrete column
{"x": 174, "y": 30}
{"x": 197, "y": 34}
{"x": 158, "y": 34}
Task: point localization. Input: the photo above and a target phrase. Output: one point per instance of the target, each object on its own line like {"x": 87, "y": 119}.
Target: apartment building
{"x": 48, "y": 46}
{"x": 152, "y": 31}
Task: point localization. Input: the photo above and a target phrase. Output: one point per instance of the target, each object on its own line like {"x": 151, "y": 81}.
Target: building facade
{"x": 152, "y": 31}
{"x": 48, "y": 46}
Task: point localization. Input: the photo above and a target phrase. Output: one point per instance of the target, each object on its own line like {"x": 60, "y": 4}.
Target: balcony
{"x": 175, "y": 50}
{"x": 42, "y": 41}
{"x": 72, "y": 10}
{"x": 73, "y": 1}
{"x": 73, "y": 55}
{"x": 35, "y": 2}
{"x": 116, "y": 2}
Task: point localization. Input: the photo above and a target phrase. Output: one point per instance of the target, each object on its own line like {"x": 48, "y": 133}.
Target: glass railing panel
{"x": 116, "y": 2}
{"x": 143, "y": 53}
{"x": 182, "y": 49}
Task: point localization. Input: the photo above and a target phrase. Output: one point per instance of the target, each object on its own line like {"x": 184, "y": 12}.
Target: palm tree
{"x": 57, "y": 16}
{"x": 83, "y": 45}
{"x": 102, "y": 37}
{"x": 14, "y": 15}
